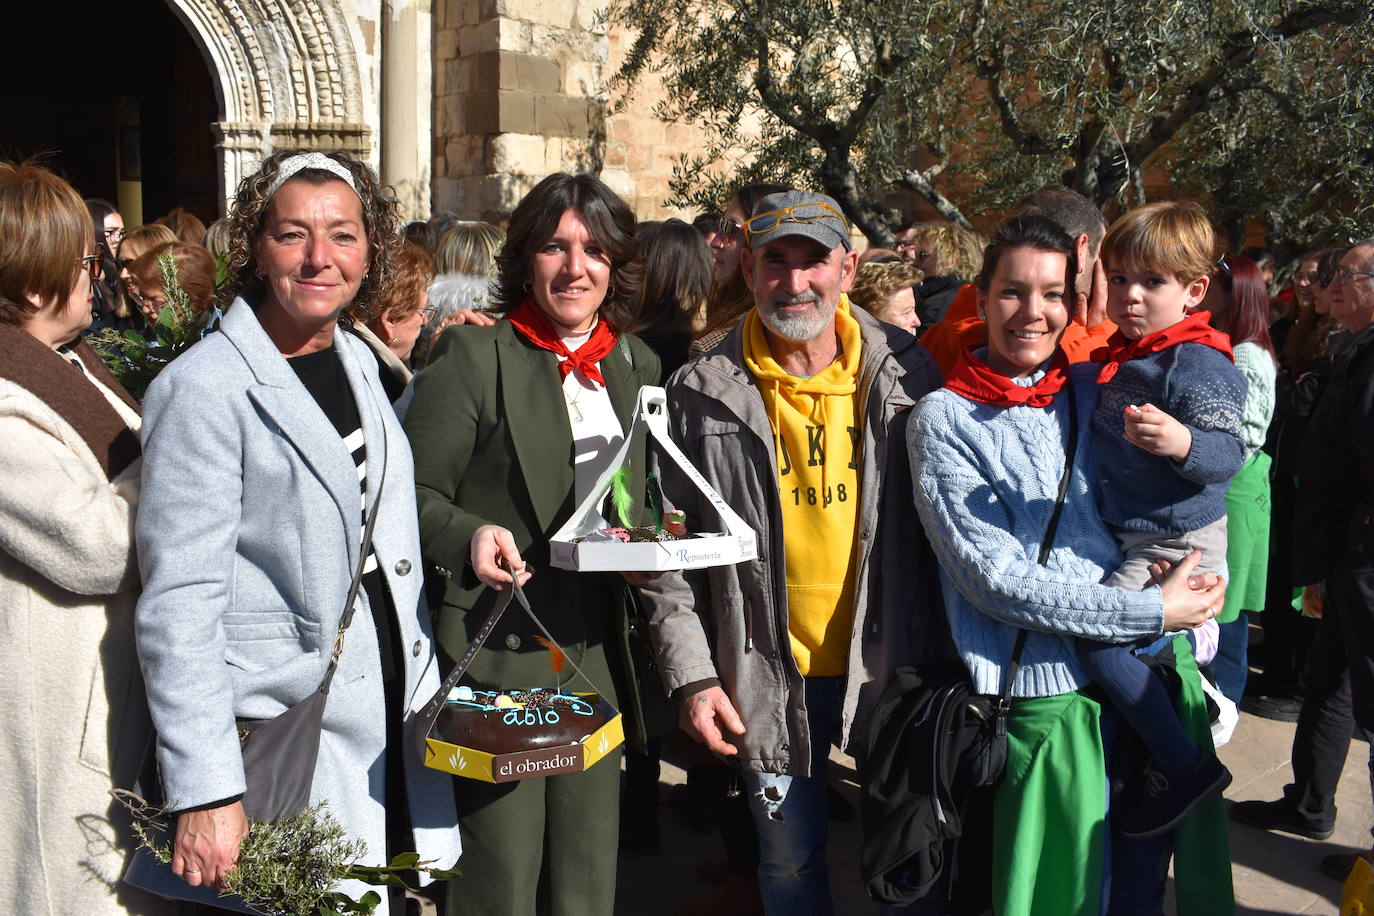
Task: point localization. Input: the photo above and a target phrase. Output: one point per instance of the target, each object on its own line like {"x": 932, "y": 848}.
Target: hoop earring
{"x": 257, "y": 272}
{"x": 526, "y": 286}
{"x": 610, "y": 292}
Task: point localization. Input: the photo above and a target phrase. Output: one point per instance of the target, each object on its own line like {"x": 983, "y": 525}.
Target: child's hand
{"x": 1158, "y": 433}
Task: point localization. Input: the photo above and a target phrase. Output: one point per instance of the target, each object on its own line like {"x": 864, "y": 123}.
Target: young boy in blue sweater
{"x": 1166, "y": 437}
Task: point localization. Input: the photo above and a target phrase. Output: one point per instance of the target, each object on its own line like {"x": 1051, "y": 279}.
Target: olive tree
{"x": 972, "y": 104}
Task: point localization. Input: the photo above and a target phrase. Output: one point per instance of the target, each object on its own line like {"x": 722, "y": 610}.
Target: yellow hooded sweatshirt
{"x": 817, "y": 427}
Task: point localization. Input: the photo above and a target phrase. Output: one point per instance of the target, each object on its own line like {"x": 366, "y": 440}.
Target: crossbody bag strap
{"x": 1045, "y": 546}
{"x": 351, "y": 603}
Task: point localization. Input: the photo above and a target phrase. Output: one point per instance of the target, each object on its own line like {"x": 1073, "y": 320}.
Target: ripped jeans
{"x": 793, "y": 818}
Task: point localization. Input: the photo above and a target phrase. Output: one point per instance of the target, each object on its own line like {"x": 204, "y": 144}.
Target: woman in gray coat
{"x": 264, "y": 446}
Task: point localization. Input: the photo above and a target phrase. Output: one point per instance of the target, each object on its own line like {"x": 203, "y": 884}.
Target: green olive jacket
{"x": 489, "y": 428}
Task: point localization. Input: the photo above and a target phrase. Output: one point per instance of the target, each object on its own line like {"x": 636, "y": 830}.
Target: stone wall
{"x": 519, "y": 93}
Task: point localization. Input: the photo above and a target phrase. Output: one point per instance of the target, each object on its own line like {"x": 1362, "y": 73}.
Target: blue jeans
{"x": 1231, "y": 666}
{"x": 793, "y": 819}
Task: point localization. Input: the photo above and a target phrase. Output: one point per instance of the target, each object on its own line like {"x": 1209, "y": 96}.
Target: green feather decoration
{"x": 653, "y": 499}
{"x": 621, "y": 500}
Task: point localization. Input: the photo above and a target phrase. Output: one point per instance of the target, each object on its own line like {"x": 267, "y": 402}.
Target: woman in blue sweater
{"x": 988, "y": 452}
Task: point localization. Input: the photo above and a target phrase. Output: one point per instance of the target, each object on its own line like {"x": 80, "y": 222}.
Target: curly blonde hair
{"x": 957, "y": 250}
{"x": 381, "y": 218}
{"x": 876, "y": 281}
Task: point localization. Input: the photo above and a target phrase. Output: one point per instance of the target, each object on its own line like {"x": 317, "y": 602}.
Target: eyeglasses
{"x": 429, "y": 312}
{"x": 1345, "y": 275}
{"x": 115, "y": 235}
{"x": 802, "y": 213}
{"x": 91, "y": 264}
{"x": 727, "y": 228}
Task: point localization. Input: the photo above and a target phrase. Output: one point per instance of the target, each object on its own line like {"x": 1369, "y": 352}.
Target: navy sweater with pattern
{"x": 1202, "y": 389}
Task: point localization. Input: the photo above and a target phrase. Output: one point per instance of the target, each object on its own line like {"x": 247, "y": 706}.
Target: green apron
{"x": 1247, "y": 538}
{"x": 1049, "y": 810}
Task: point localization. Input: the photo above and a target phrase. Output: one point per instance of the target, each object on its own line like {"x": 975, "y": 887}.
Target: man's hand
{"x": 703, "y": 716}
{"x": 1158, "y": 433}
{"x": 1090, "y": 307}
{"x": 207, "y": 844}
{"x": 489, "y": 546}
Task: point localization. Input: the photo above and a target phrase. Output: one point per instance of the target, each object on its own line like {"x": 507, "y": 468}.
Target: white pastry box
{"x": 579, "y": 546}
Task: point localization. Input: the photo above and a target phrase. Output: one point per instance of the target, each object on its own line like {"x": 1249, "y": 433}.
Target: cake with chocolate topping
{"x": 509, "y": 721}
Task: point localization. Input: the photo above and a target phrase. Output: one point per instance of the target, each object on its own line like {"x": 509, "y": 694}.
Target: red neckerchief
{"x": 974, "y": 379}
{"x": 538, "y": 330}
{"x": 1192, "y": 329}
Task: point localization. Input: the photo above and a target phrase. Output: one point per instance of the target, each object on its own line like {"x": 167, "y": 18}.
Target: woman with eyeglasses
{"x": 730, "y": 297}
{"x": 75, "y": 718}
{"x": 403, "y": 311}
{"x": 135, "y": 244}
{"x": 105, "y": 304}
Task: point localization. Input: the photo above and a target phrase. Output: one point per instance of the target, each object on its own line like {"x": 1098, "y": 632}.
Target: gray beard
{"x": 798, "y": 328}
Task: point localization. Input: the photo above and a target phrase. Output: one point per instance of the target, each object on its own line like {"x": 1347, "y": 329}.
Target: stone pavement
{"x": 1274, "y": 873}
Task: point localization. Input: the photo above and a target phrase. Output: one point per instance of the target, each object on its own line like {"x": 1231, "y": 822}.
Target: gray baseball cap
{"x": 805, "y": 213}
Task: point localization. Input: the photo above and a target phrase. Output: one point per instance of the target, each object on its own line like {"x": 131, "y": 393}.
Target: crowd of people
{"x": 1070, "y": 462}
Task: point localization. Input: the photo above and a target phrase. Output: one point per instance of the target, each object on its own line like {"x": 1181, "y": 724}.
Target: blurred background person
{"x": 1238, "y": 301}
{"x": 195, "y": 275}
{"x": 404, "y": 310}
{"x": 138, "y": 241}
{"x": 672, "y": 296}
{"x": 730, "y": 297}
{"x": 109, "y": 229}
{"x": 1304, "y": 367}
{"x": 887, "y": 292}
{"x": 75, "y": 722}
{"x": 948, "y": 256}
{"x": 465, "y": 265}
{"x": 185, "y": 225}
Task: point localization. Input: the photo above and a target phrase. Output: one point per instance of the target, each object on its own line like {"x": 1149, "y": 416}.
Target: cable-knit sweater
{"x": 1203, "y": 390}
{"x": 1257, "y": 366}
{"x": 986, "y": 479}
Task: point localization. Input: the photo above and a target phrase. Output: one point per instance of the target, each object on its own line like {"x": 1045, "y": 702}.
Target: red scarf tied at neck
{"x": 1193, "y": 328}
{"x": 976, "y": 380}
{"x": 536, "y": 327}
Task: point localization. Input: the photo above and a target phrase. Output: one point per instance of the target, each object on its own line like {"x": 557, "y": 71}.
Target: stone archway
{"x": 286, "y": 73}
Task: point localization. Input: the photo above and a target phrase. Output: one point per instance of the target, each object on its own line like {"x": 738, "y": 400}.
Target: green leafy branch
{"x": 135, "y": 358}
{"x": 291, "y": 867}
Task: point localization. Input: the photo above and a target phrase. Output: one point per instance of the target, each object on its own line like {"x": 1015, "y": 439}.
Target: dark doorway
{"x": 117, "y": 101}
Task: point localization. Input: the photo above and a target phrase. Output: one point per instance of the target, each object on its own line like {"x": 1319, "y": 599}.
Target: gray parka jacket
{"x": 729, "y": 623}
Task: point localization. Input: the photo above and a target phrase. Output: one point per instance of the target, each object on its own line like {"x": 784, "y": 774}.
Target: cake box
{"x": 569, "y": 547}
{"x": 474, "y": 763}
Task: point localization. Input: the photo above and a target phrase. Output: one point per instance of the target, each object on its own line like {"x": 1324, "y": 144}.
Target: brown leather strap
{"x": 40, "y": 370}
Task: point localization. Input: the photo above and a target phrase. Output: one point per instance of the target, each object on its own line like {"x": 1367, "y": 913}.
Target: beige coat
{"x": 75, "y": 720}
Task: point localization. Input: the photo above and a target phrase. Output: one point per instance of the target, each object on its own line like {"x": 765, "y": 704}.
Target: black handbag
{"x": 279, "y": 754}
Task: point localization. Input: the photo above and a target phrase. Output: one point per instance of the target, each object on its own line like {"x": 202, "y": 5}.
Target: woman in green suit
{"x": 511, "y": 425}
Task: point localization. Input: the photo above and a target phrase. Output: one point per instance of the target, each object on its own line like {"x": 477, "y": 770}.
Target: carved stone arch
{"x": 286, "y": 73}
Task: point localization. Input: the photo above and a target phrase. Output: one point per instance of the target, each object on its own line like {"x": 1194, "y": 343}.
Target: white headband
{"x": 293, "y": 164}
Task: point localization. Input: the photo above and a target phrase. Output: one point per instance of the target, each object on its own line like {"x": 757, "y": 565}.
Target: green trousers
{"x": 539, "y": 846}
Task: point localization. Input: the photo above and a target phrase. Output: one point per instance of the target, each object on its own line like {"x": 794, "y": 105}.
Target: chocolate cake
{"x": 505, "y": 722}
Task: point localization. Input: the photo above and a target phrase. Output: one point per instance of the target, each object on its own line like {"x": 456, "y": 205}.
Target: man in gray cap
{"x": 791, "y": 418}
